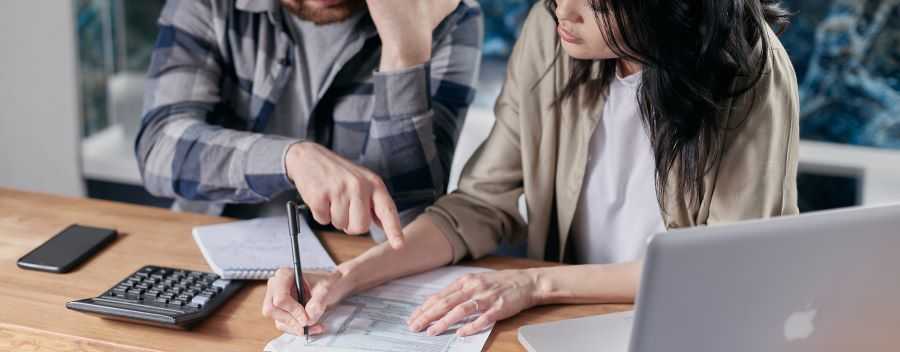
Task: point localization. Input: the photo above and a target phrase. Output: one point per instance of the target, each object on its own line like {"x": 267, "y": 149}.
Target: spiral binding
{"x": 259, "y": 273}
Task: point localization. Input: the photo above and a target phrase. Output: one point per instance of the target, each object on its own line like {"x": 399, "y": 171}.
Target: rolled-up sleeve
{"x": 419, "y": 111}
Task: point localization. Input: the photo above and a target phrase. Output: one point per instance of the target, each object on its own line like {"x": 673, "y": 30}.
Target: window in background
{"x": 847, "y": 56}
{"x": 115, "y": 38}
{"x": 823, "y": 192}
{"x": 115, "y": 41}
{"x": 502, "y": 22}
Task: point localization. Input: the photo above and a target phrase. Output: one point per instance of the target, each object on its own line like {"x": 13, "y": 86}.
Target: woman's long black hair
{"x": 696, "y": 56}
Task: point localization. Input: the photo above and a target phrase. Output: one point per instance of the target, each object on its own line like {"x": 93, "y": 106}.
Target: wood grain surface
{"x": 33, "y": 316}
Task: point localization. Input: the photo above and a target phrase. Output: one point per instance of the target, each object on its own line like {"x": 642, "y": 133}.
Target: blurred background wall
{"x": 39, "y": 115}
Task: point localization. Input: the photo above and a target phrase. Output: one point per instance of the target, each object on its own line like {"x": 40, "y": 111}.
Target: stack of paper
{"x": 375, "y": 320}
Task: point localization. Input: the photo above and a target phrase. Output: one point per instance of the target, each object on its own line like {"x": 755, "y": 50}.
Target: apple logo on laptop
{"x": 800, "y": 325}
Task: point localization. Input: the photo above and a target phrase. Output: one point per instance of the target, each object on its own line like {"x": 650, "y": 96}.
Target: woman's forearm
{"x": 610, "y": 283}
{"x": 424, "y": 248}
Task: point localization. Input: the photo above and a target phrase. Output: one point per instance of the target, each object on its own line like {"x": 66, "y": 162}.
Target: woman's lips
{"x": 566, "y": 36}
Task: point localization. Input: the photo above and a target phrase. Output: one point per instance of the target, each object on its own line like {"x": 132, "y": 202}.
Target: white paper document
{"x": 375, "y": 320}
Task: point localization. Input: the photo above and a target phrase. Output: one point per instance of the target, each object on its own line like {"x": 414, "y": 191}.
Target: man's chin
{"x": 323, "y": 4}
{"x": 324, "y": 12}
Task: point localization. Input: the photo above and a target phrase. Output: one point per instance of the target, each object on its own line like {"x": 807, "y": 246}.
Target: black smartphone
{"x": 69, "y": 248}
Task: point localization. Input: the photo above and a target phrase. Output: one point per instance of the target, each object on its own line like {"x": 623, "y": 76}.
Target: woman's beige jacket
{"x": 541, "y": 151}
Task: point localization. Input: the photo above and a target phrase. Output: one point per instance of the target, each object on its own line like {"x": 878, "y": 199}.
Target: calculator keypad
{"x": 181, "y": 290}
{"x": 160, "y": 296}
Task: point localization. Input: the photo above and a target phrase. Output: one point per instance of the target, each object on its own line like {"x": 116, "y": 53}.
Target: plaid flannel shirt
{"x": 220, "y": 66}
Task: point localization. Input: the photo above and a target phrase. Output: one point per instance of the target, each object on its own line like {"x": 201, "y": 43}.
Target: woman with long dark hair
{"x": 618, "y": 119}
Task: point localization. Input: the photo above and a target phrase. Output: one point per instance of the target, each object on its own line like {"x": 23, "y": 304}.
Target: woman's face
{"x": 579, "y": 32}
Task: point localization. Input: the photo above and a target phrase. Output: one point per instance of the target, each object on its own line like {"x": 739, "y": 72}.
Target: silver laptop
{"x": 825, "y": 281}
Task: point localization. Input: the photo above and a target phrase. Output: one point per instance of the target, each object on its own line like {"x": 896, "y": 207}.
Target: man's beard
{"x": 327, "y": 15}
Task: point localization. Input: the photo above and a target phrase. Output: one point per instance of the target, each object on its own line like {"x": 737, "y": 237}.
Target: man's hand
{"x": 341, "y": 193}
{"x": 280, "y": 303}
{"x": 405, "y": 28}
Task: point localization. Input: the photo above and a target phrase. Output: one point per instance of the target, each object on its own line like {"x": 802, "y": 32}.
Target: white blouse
{"x": 618, "y": 209}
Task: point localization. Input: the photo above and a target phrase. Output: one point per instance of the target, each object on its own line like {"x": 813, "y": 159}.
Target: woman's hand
{"x": 495, "y": 295}
{"x": 280, "y": 303}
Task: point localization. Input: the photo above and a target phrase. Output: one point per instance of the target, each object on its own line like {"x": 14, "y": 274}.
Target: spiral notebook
{"x": 255, "y": 249}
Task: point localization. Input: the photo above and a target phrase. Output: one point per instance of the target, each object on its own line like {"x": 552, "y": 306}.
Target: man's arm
{"x": 423, "y": 88}
{"x": 420, "y": 99}
{"x": 180, "y": 154}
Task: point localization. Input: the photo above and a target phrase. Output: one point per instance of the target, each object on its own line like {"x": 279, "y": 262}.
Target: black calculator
{"x": 167, "y": 297}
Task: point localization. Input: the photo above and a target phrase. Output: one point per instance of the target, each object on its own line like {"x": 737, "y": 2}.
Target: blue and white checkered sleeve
{"x": 419, "y": 111}
{"x": 180, "y": 154}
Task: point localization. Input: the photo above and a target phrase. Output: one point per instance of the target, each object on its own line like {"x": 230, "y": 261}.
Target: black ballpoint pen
{"x": 294, "y": 228}
{"x": 293, "y": 209}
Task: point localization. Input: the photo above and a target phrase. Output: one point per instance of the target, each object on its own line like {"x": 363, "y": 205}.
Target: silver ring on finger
{"x": 477, "y": 309}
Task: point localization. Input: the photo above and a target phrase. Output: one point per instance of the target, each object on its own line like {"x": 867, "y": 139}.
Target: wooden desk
{"x": 32, "y": 304}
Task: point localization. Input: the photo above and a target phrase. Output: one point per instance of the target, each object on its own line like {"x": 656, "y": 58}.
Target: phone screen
{"x": 67, "y": 249}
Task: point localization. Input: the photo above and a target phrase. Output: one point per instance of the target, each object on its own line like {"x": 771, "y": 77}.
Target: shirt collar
{"x": 257, "y": 5}
{"x": 632, "y": 80}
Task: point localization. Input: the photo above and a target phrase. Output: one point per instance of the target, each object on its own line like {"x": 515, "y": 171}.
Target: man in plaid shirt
{"x": 346, "y": 101}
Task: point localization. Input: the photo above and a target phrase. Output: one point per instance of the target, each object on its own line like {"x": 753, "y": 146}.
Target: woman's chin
{"x": 581, "y": 52}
